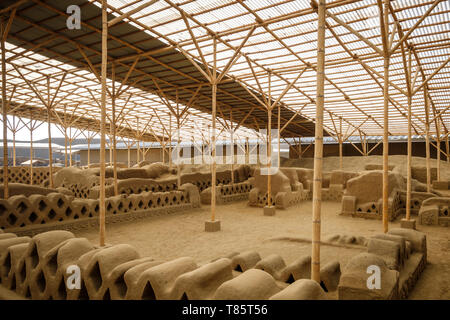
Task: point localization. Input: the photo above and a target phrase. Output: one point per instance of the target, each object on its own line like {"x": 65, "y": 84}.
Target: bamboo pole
{"x": 438, "y": 150}
{"x": 447, "y": 148}
{"x": 65, "y": 137}
{"x": 89, "y": 152}
{"x": 14, "y": 148}
{"x": 409, "y": 159}
{"x": 70, "y": 147}
{"x": 269, "y": 155}
{"x": 213, "y": 134}
{"x": 4, "y": 114}
{"x": 50, "y": 152}
{"x": 232, "y": 147}
{"x": 385, "y": 29}
{"x": 137, "y": 141}
{"x": 341, "y": 161}
{"x": 170, "y": 140}
{"x": 113, "y": 130}
{"x": 427, "y": 138}
{"x": 318, "y": 145}
{"x": 279, "y": 135}
{"x": 300, "y": 148}
{"x": 247, "y": 151}
{"x": 102, "y": 230}
{"x": 31, "y": 148}
{"x": 179, "y": 142}
{"x": 269, "y": 143}
{"x": 129, "y": 155}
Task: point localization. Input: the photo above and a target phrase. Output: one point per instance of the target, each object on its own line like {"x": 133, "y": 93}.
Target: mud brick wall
{"x": 22, "y": 174}
{"x": 435, "y": 211}
{"x": 228, "y": 193}
{"x": 21, "y": 211}
{"x": 37, "y": 268}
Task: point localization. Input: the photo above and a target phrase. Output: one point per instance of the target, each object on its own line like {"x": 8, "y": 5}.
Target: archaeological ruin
{"x": 225, "y": 150}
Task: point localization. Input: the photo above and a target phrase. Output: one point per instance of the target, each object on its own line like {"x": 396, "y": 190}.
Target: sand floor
{"x": 245, "y": 228}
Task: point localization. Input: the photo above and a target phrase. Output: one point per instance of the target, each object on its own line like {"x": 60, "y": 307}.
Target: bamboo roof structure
{"x": 161, "y": 52}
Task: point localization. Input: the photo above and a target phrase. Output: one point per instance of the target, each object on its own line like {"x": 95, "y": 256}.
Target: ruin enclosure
{"x": 241, "y": 150}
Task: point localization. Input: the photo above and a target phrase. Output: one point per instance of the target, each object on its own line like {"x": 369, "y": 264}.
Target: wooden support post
{"x": 50, "y": 152}
{"x": 179, "y": 142}
{"x": 279, "y": 135}
{"x": 137, "y": 142}
{"x": 14, "y": 148}
{"x": 385, "y": 34}
{"x": 213, "y": 133}
{"x": 447, "y": 148}
{"x": 341, "y": 161}
{"x": 300, "y": 147}
{"x": 318, "y": 145}
{"x": 438, "y": 150}
{"x": 65, "y": 138}
{"x": 232, "y": 146}
{"x": 409, "y": 159}
{"x": 247, "y": 151}
{"x": 70, "y": 147}
{"x": 31, "y": 147}
{"x": 102, "y": 212}
{"x": 4, "y": 113}
{"x": 269, "y": 144}
{"x": 113, "y": 130}
{"x": 170, "y": 140}
{"x": 89, "y": 152}
{"x": 427, "y": 137}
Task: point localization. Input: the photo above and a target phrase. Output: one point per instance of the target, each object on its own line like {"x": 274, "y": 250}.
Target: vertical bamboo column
{"x": 409, "y": 159}
{"x": 385, "y": 215}
{"x": 170, "y": 140}
{"x": 129, "y": 154}
{"x": 102, "y": 230}
{"x": 318, "y": 145}
{"x": 232, "y": 147}
{"x": 70, "y": 147}
{"x": 279, "y": 135}
{"x": 299, "y": 147}
{"x": 213, "y": 133}
{"x": 4, "y": 113}
{"x": 137, "y": 141}
{"x": 50, "y": 152}
{"x": 447, "y": 148}
{"x": 65, "y": 138}
{"x": 14, "y": 148}
{"x": 179, "y": 142}
{"x": 427, "y": 137}
{"x": 247, "y": 151}
{"x": 89, "y": 152}
{"x": 341, "y": 160}
{"x": 89, "y": 139}
{"x": 269, "y": 143}
{"x": 113, "y": 129}
{"x": 31, "y": 148}
{"x": 438, "y": 150}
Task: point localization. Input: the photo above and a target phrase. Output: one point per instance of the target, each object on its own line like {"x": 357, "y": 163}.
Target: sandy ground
{"x": 245, "y": 228}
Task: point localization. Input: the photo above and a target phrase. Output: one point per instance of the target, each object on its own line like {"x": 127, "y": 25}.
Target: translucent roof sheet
{"x": 282, "y": 44}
